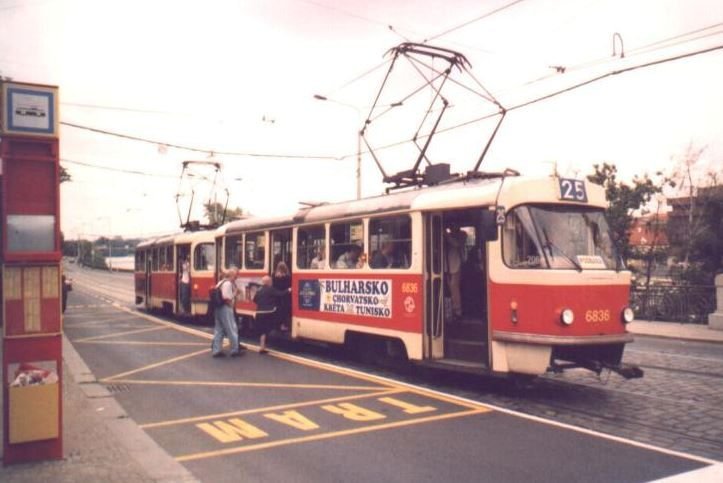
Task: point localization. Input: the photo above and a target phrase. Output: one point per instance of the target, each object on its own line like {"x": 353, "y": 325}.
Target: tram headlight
{"x": 567, "y": 317}
{"x": 627, "y": 315}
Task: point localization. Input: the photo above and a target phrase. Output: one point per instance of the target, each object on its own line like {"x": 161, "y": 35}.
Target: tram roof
{"x": 180, "y": 237}
{"x": 458, "y": 194}
{"x": 454, "y": 195}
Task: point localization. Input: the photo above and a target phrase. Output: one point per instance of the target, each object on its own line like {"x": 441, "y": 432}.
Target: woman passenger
{"x": 282, "y": 282}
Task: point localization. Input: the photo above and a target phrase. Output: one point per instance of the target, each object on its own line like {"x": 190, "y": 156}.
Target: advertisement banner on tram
{"x": 363, "y": 297}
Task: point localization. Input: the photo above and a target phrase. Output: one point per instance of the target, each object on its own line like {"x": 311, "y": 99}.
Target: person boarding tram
{"x": 454, "y": 258}
{"x": 267, "y": 303}
{"x": 185, "y": 286}
{"x": 224, "y": 319}
{"x": 281, "y": 280}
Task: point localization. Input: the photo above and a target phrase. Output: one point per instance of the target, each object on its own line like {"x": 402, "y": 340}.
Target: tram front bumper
{"x": 594, "y": 353}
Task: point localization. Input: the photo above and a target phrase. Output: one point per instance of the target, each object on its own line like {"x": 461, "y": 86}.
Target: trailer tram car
{"x": 158, "y": 269}
{"x": 492, "y": 274}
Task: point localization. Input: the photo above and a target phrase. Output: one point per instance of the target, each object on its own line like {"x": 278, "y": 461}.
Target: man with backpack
{"x": 224, "y": 319}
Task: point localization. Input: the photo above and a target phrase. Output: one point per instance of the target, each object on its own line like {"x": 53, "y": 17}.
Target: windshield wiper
{"x": 549, "y": 245}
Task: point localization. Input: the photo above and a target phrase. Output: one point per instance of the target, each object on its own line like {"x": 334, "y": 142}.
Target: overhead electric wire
{"x": 643, "y": 49}
{"x": 616, "y": 72}
{"x": 198, "y": 150}
{"x": 117, "y": 170}
{"x": 555, "y": 94}
{"x": 647, "y": 48}
{"x": 361, "y": 76}
{"x": 469, "y": 22}
{"x": 121, "y": 108}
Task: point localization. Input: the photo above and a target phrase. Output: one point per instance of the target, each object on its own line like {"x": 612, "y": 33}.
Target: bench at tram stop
{"x": 715, "y": 320}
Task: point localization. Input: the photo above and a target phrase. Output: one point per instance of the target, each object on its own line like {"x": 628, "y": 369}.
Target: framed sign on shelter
{"x": 28, "y": 109}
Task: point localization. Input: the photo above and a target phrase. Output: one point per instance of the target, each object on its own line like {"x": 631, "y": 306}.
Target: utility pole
{"x": 319, "y": 97}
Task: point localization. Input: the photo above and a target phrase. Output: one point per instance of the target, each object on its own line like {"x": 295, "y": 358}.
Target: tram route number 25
{"x": 572, "y": 190}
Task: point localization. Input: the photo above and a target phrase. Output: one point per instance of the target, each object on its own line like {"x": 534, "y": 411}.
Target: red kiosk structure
{"x": 30, "y": 270}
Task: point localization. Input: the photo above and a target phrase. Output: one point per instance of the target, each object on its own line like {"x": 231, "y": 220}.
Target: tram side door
{"x": 280, "y": 249}
{"x": 219, "y": 259}
{"x": 183, "y": 252}
{"x": 149, "y": 260}
{"x": 434, "y": 286}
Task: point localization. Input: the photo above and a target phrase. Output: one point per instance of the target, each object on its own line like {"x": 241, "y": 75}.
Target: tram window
{"x": 203, "y": 256}
{"x": 234, "y": 251}
{"x": 167, "y": 265}
{"x": 347, "y": 244}
{"x": 140, "y": 261}
{"x": 280, "y": 248}
{"x": 162, "y": 259}
{"x": 520, "y": 244}
{"x": 255, "y": 250}
{"x": 390, "y": 242}
{"x": 154, "y": 260}
{"x": 311, "y": 247}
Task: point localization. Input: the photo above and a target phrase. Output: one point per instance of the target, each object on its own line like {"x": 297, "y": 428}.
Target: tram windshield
{"x": 559, "y": 237}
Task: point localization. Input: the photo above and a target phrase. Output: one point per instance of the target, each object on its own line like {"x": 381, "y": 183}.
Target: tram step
{"x": 470, "y": 329}
{"x": 466, "y": 350}
{"x": 458, "y": 366}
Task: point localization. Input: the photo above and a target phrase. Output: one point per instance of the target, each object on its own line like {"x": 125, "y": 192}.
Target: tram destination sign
{"x": 357, "y": 297}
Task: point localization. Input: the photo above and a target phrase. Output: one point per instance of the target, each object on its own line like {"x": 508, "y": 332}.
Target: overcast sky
{"x": 235, "y": 75}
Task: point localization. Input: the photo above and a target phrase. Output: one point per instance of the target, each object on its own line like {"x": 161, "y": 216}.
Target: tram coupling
{"x": 628, "y": 371}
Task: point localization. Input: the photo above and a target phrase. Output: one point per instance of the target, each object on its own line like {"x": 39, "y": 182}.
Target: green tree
{"x": 89, "y": 256}
{"x": 215, "y": 213}
{"x": 625, "y": 199}
{"x": 65, "y": 175}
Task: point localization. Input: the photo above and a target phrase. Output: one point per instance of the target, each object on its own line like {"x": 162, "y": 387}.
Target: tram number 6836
{"x": 595, "y": 316}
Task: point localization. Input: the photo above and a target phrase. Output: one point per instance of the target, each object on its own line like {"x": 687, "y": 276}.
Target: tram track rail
{"x": 617, "y": 419}
{"x": 683, "y": 371}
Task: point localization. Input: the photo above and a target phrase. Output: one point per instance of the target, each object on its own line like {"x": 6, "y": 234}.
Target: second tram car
{"x": 159, "y": 267}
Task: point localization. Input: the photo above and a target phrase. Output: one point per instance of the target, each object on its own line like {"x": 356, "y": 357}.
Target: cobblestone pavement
{"x": 92, "y": 451}
{"x": 677, "y": 405}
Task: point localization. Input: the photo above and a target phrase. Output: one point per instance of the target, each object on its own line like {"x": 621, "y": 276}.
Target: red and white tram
{"x": 159, "y": 269}
{"x": 497, "y": 274}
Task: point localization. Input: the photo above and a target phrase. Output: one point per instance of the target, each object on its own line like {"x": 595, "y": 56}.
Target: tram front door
{"x": 455, "y": 288}
{"x": 434, "y": 287}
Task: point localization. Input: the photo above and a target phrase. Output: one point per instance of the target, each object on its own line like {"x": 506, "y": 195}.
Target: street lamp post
{"x": 319, "y": 97}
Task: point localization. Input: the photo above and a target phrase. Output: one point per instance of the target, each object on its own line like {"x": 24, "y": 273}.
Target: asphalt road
{"x": 676, "y": 406}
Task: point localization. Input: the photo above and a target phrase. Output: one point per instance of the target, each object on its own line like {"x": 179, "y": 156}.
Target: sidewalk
{"x": 100, "y": 442}
{"x": 672, "y": 330}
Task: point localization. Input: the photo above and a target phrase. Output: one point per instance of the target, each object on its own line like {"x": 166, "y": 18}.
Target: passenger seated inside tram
{"x": 383, "y": 258}
{"x": 351, "y": 258}
{"x": 318, "y": 261}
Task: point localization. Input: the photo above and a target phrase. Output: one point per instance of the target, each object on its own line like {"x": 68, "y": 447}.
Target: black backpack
{"x": 215, "y": 299}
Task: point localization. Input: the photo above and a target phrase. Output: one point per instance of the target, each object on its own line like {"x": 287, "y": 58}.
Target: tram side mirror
{"x": 489, "y": 230}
